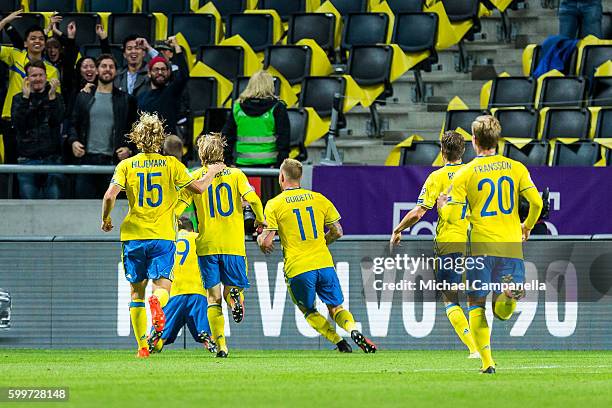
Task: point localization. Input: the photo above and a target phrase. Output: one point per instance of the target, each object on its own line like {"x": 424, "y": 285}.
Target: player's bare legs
{"x": 234, "y": 296}
{"x": 159, "y": 298}
{"x": 216, "y": 319}
{"x": 481, "y": 333}
{"x": 456, "y": 316}
{"x": 138, "y": 316}
{"x": 345, "y": 319}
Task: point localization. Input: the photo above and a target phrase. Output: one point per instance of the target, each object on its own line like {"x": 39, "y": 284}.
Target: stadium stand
{"x": 364, "y": 37}
{"x": 284, "y": 8}
{"x": 110, "y": 6}
{"x": 200, "y": 29}
{"x": 534, "y": 153}
{"x": 601, "y": 92}
{"x": 122, "y": 25}
{"x": 364, "y": 29}
{"x": 603, "y": 129}
{"x": 345, "y": 7}
{"x": 85, "y": 25}
{"x": 316, "y": 26}
{"x": 222, "y": 58}
{"x": 406, "y": 6}
{"x": 566, "y": 123}
{"x": 293, "y": 61}
{"x": 576, "y": 154}
{"x": 256, "y": 29}
{"x": 512, "y": 91}
{"x": 227, "y": 7}
{"x": 61, "y": 6}
{"x": 518, "y": 123}
{"x": 166, "y": 7}
{"x": 563, "y": 92}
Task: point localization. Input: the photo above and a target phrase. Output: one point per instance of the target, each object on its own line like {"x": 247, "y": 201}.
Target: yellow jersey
{"x": 491, "y": 185}
{"x": 219, "y": 212}
{"x": 16, "y": 61}
{"x": 187, "y": 278}
{"x": 152, "y": 183}
{"x": 300, "y": 216}
{"x": 451, "y": 237}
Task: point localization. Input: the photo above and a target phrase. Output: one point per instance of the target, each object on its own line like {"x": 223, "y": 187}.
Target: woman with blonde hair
{"x": 258, "y": 127}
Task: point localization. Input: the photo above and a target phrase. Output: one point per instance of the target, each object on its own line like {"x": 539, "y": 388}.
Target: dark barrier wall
{"x": 73, "y": 294}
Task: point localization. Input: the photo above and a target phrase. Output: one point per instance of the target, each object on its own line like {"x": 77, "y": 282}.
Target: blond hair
{"x": 173, "y": 146}
{"x": 292, "y": 169}
{"x": 486, "y": 131}
{"x": 211, "y": 148}
{"x": 148, "y": 133}
{"x": 261, "y": 86}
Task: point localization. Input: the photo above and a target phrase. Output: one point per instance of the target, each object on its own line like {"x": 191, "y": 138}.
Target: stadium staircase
{"x": 402, "y": 117}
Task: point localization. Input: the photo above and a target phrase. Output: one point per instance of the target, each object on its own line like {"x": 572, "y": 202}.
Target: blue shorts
{"x": 189, "y": 310}
{"x": 231, "y": 270}
{"x": 448, "y": 268}
{"x": 322, "y": 282}
{"x": 148, "y": 259}
{"x": 492, "y": 270}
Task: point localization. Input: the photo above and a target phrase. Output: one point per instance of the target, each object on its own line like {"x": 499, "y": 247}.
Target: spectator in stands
{"x": 133, "y": 79}
{"x": 37, "y": 113}
{"x": 258, "y": 127}
{"x": 100, "y": 120}
{"x": 167, "y": 51}
{"x": 577, "y": 14}
{"x": 163, "y": 92}
{"x": 16, "y": 59}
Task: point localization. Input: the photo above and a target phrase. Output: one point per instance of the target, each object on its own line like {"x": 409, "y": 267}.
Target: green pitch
{"x": 313, "y": 378}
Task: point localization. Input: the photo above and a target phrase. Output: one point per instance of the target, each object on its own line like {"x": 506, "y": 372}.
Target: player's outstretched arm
{"x": 265, "y": 240}
{"x": 108, "y": 203}
{"x": 334, "y": 232}
{"x": 199, "y": 186}
{"x": 408, "y": 221}
{"x": 255, "y": 202}
{"x": 535, "y": 208}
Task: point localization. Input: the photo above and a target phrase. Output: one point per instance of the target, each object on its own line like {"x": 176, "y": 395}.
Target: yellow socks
{"x": 217, "y": 325}
{"x": 460, "y": 324}
{"x": 504, "y": 307}
{"x": 320, "y": 324}
{"x": 162, "y": 295}
{"x": 345, "y": 319}
{"x": 138, "y": 316}
{"x": 481, "y": 334}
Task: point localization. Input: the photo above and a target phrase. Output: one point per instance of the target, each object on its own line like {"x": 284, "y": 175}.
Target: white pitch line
{"x": 509, "y": 368}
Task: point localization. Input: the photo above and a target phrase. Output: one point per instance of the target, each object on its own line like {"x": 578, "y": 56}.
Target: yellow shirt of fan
{"x": 152, "y": 183}
{"x": 219, "y": 212}
{"x": 187, "y": 278}
{"x": 451, "y": 237}
{"x": 300, "y": 217}
{"x": 491, "y": 185}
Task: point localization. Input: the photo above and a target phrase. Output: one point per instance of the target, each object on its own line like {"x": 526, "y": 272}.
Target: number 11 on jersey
{"x": 298, "y": 216}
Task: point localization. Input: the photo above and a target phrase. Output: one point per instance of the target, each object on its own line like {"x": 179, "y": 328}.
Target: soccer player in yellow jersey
{"x": 148, "y": 232}
{"x": 300, "y": 217}
{"x": 220, "y": 243}
{"x": 490, "y": 185}
{"x": 187, "y": 304}
{"x": 451, "y": 238}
